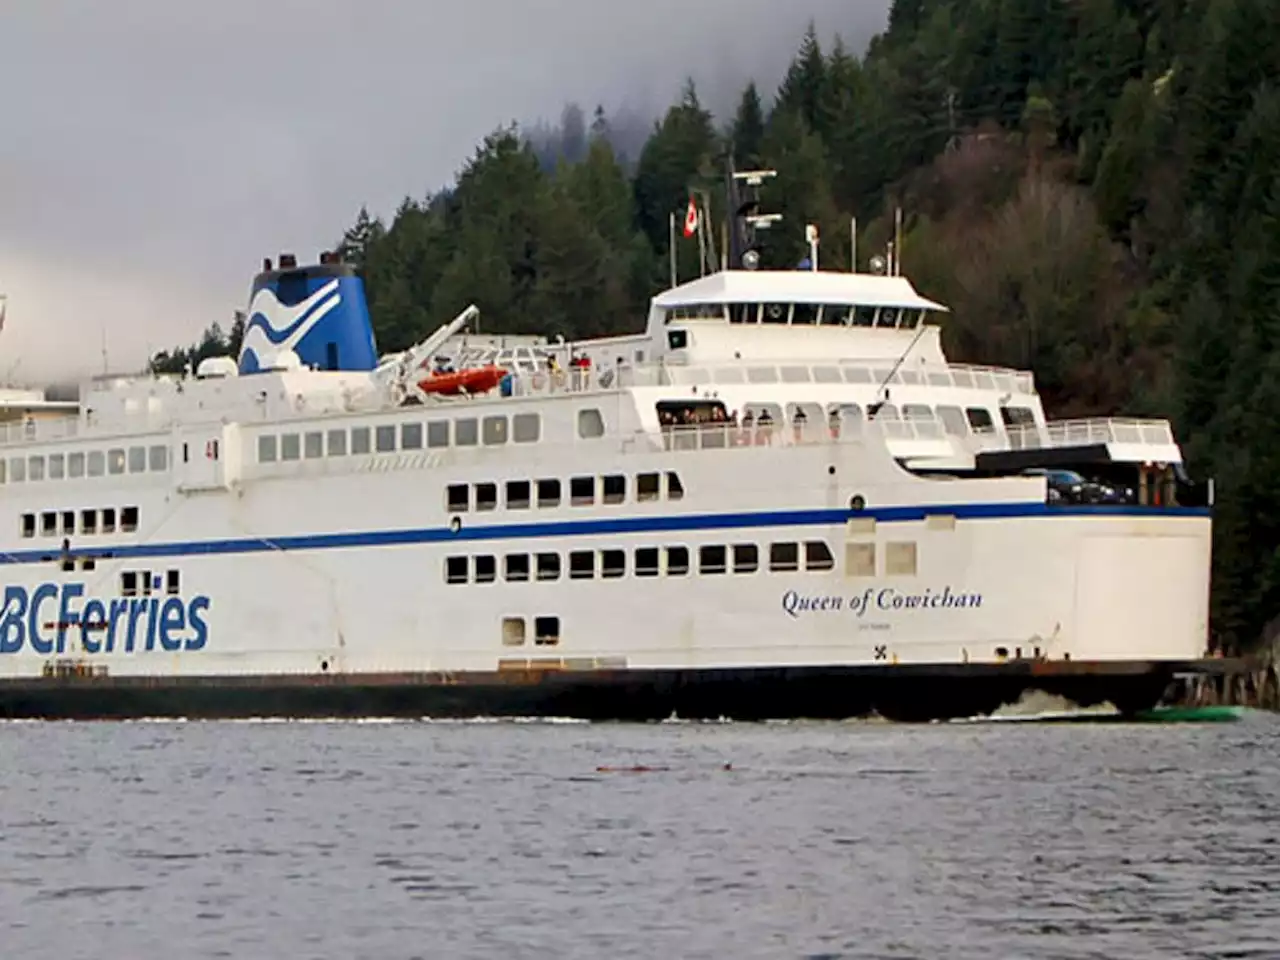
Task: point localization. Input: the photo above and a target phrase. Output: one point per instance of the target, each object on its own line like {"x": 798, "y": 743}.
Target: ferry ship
{"x": 779, "y": 500}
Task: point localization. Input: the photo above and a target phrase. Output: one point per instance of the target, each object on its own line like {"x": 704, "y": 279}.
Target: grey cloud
{"x": 153, "y": 150}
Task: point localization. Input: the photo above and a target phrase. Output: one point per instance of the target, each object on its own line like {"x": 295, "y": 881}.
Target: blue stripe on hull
{"x": 669, "y": 523}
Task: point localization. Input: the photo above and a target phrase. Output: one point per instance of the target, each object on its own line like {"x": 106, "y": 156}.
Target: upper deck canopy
{"x": 798, "y": 286}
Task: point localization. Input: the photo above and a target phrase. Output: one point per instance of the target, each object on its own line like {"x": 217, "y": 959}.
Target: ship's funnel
{"x": 316, "y": 312}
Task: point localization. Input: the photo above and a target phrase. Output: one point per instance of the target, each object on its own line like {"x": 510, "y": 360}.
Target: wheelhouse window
{"x": 806, "y": 313}
{"x": 776, "y": 313}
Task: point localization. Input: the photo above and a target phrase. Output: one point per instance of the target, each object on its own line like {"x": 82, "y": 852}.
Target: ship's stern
{"x": 1142, "y": 587}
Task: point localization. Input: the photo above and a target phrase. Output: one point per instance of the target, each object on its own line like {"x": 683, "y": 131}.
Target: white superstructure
{"x": 782, "y": 471}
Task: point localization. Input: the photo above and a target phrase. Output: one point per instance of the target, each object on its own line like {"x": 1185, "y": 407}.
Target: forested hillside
{"x": 1090, "y": 184}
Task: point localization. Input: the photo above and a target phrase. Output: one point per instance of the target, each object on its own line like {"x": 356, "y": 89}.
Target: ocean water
{"x": 399, "y": 840}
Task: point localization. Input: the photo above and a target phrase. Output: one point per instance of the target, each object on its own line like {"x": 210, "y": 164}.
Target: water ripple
{"x": 816, "y": 841}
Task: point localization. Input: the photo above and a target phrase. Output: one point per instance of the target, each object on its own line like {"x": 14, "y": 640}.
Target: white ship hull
{"x": 341, "y": 576}
{"x": 280, "y": 541}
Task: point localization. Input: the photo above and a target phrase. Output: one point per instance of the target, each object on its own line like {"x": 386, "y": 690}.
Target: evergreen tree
{"x": 681, "y": 153}
{"x": 803, "y": 91}
{"x": 747, "y": 134}
{"x": 360, "y": 239}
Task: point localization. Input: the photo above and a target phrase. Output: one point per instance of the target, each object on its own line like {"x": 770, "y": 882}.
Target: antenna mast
{"x": 749, "y": 219}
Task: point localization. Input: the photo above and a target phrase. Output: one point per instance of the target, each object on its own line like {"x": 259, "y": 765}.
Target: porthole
{"x": 455, "y": 524}
{"x": 857, "y": 502}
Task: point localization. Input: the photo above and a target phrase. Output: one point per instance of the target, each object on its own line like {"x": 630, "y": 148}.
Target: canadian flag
{"x": 691, "y": 219}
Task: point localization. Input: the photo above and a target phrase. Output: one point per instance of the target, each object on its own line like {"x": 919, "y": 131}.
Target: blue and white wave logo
{"x": 274, "y": 328}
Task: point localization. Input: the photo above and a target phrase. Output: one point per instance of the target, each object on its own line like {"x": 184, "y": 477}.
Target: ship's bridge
{"x": 794, "y": 314}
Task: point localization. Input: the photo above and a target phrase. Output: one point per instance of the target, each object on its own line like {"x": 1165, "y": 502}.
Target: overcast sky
{"x": 153, "y": 151}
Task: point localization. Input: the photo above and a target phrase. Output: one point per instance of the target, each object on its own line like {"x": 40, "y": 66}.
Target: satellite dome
{"x": 211, "y": 367}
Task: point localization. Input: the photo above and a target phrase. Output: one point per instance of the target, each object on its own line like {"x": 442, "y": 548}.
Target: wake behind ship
{"x": 780, "y": 500}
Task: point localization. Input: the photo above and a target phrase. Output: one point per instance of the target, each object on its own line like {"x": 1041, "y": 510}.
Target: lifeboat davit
{"x": 473, "y": 380}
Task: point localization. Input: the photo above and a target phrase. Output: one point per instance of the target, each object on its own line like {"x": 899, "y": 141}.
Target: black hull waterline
{"x": 910, "y": 693}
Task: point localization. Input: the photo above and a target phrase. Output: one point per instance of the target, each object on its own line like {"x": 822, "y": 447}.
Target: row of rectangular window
{"x": 144, "y": 583}
{"x": 391, "y": 437}
{"x": 90, "y": 463}
{"x": 53, "y": 523}
{"x": 548, "y": 492}
{"x": 675, "y": 561}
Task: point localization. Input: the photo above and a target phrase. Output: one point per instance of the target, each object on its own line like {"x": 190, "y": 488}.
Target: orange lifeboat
{"x": 473, "y": 380}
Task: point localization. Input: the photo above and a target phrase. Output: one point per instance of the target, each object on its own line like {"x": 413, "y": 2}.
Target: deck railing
{"x": 1084, "y": 433}
{"x": 720, "y": 436}
{"x": 1067, "y": 433}
{"x": 39, "y": 430}
{"x": 590, "y": 379}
